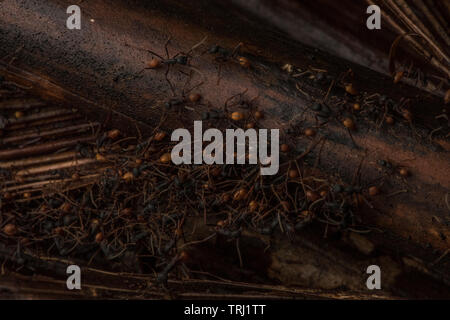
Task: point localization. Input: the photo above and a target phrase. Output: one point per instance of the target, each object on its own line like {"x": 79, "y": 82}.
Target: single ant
{"x": 178, "y": 59}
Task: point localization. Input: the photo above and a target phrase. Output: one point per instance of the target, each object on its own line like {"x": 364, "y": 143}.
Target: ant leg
{"x": 168, "y": 66}
{"x": 168, "y": 81}
{"x": 166, "y": 47}
{"x": 239, "y": 253}
{"x": 353, "y": 141}
{"x": 236, "y": 49}
{"x": 197, "y": 71}
{"x": 357, "y": 174}
{"x": 195, "y": 46}
{"x": 188, "y": 80}
{"x": 186, "y": 90}
{"x": 218, "y": 73}
{"x": 143, "y": 49}
{"x": 193, "y": 87}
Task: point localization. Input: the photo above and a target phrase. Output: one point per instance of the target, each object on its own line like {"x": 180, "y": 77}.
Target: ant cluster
{"x": 134, "y": 214}
{"x": 134, "y": 211}
{"x": 346, "y": 105}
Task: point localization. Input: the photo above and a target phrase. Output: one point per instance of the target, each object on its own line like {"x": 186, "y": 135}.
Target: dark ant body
{"x": 173, "y": 102}
{"x": 224, "y": 53}
{"x": 268, "y": 230}
{"x": 322, "y": 111}
{"x": 3, "y": 122}
{"x": 301, "y": 224}
{"x": 183, "y": 60}
{"x": 385, "y": 164}
{"x": 232, "y": 234}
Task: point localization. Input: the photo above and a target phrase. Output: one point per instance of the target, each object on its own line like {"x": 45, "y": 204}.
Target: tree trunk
{"x": 100, "y": 70}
